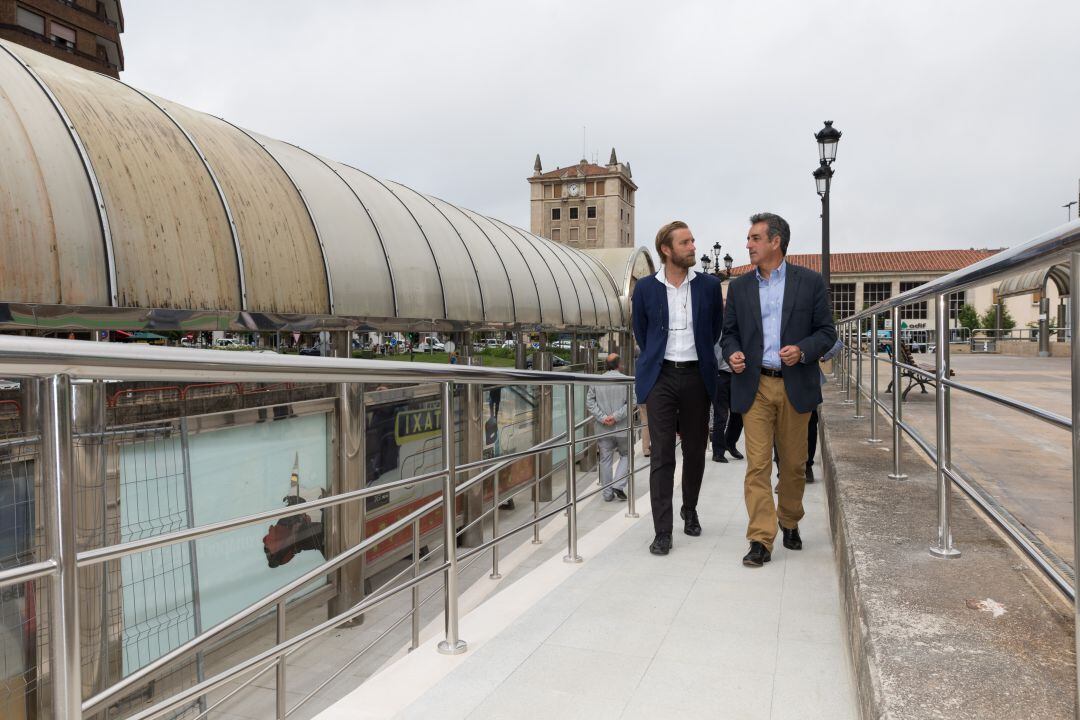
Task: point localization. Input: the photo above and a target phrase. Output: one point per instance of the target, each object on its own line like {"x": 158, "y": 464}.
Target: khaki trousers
{"x": 770, "y": 418}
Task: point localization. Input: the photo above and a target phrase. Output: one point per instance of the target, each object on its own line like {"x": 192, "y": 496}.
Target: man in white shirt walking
{"x": 677, "y": 316}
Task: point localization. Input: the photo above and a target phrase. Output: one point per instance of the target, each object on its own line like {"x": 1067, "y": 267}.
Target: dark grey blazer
{"x": 806, "y": 321}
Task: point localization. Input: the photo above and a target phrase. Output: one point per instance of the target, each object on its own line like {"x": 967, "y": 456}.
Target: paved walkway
{"x": 626, "y": 634}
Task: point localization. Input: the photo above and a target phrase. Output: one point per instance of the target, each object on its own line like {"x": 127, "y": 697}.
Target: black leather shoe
{"x": 661, "y": 545}
{"x": 810, "y": 474}
{"x": 620, "y": 494}
{"x": 735, "y": 453}
{"x": 792, "y": 540}
{"x": 757, "y": 556}
{"x": 692, "y": 526}
{"x": 719, "y": 457}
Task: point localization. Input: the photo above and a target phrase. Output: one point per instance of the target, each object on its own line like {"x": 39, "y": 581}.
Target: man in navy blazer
{"x": 777, "y": 326}
{"x": 677, "y": 316}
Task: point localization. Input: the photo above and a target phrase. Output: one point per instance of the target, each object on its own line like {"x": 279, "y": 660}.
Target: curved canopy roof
{"x": 1035, "y": 281}
{"x": 121, "y": 208}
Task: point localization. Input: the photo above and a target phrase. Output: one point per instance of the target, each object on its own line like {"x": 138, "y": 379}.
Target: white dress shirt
{"x": 680, "y": 339}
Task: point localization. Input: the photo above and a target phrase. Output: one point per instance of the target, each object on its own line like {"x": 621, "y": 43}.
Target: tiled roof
{"x": 909, "y": 261}
{"x": 573, "y": 171}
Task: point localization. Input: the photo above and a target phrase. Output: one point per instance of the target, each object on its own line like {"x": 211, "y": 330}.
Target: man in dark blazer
{"x": 677, "y": 316}
{"x": 777, "y": 326}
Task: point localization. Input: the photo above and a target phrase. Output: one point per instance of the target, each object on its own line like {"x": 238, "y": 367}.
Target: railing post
{"x": 858, "y": 373}
{"x": 415, "y": 590}
{"x": 452, "y": 645}
{"x": 849, "y": 362}
{"x": 495, "y": 574}
{"x": 943, "y": 548}
{"x": 631, "y": 501}
{"x": 873, "y": 380}
{"x": 279, "y": 683}
{"x": 896, "y": 474}
{"x": 571, "y": 478}
{"x": 66, "y": 668}
{"x": 1074, "y": 365}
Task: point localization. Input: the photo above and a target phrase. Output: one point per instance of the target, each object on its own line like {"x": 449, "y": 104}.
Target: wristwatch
{"x": 802, "y": 355}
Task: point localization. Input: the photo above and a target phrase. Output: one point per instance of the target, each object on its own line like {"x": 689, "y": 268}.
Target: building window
{"x": 620, "y": 214}
{"x": 556, "y": 213}
{"x": 30, "y": 21}
{"x": 573, "y": 213}
{"x": 590, "y": 212}
{"x": 548, "y": 193}
{"x": 915, "y": 311}
{"x": 843, "y": 299}
{"x": 873, "y": 293}
{"x": 590, "y": 189}
{"x": 590, "y": 233}
{"x": 957, "y": 300}
{"x": 556, "y": 235}
{"x": 61, "y": 35}
{"x": 573, "y": 235}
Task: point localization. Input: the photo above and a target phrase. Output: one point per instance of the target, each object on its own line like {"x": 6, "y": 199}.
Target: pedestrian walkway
{"x": 626, "y": 634}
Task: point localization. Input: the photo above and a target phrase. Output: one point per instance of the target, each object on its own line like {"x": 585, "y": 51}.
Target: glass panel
{"x": 243, "y": 470}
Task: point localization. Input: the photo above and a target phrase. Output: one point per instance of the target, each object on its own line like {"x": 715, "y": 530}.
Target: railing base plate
{"x": 459, "y": 647}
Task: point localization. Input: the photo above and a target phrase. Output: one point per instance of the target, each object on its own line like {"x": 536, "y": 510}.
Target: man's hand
{"x": 609, "y": 420}
{"x": 737, "y": 362}
{"x": 790, "y": 354}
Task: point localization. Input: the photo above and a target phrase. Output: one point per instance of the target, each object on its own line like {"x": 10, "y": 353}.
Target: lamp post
{"x": 827, "y": 139}
{"x": 712, "y": 264}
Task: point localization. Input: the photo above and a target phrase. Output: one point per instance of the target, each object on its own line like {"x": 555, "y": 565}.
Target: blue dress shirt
{"x": 771, "y": 294}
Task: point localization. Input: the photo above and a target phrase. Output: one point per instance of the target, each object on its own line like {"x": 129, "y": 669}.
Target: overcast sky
{"x": 961, "y": 118}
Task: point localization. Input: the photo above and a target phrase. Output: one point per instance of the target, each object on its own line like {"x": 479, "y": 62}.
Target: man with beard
{"x": 677, "y": 315}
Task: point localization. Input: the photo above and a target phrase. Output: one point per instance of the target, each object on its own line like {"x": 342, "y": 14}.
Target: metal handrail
{"x": 58, "y": 361}
{"x": 45, "y": 357}
{"x": 1054, "y": 246}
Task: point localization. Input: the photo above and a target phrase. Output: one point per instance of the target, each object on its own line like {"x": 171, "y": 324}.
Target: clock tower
{"x": 584, "y": 205}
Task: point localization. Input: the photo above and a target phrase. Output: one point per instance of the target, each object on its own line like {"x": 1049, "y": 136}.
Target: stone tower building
{"x": 584, "y": 205}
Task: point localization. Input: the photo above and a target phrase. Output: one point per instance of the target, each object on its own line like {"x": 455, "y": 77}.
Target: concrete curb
{"x": 920, "y": 645}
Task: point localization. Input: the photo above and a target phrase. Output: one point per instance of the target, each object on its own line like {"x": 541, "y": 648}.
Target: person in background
{"x": 607, "y": 403}
{"x": 727, "y": 425}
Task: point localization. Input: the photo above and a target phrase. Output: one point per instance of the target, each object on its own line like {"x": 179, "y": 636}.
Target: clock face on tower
{"x": 573, "y": 189}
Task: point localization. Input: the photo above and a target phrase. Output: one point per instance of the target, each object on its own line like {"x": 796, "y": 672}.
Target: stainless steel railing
{"x": 58, "y": 362}
{"x": 1058, "y": 245}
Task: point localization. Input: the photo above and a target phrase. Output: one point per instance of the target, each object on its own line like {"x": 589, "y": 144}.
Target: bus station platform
{"x": 626, "y": 634}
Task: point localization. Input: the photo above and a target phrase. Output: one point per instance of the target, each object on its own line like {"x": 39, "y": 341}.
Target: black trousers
{"x": 726, "y": 425}
{"x": 678, "y": 401}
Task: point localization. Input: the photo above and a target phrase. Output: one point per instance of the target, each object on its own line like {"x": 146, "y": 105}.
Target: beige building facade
{"x": 584, "y": 205}
{"x": 860, "y": 280}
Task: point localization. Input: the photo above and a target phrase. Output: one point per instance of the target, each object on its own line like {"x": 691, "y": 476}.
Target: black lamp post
{"x": 827, "y": 139}
{"x": 712, "y": 264}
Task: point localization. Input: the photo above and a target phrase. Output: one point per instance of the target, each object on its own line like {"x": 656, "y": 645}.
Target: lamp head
{"x": 827, "y": 138}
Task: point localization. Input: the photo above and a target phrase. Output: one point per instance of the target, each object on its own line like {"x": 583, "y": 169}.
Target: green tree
{"x": 989, "y": 318}
{"x": 968, "y": 317}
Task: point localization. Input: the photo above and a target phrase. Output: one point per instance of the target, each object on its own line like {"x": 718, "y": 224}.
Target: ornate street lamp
{"x": 712, "y": 263}
{"x": 827, "y": 139}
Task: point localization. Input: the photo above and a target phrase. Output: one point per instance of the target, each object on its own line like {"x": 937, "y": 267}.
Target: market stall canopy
{"x": 122, "y": 209}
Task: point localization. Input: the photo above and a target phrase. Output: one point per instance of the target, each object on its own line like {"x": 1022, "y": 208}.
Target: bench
{"x": 907, "y": 358}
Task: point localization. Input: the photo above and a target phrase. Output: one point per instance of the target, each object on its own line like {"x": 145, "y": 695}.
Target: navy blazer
{"x": 649, "y": 313}
{"x": 805, "y": 321}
